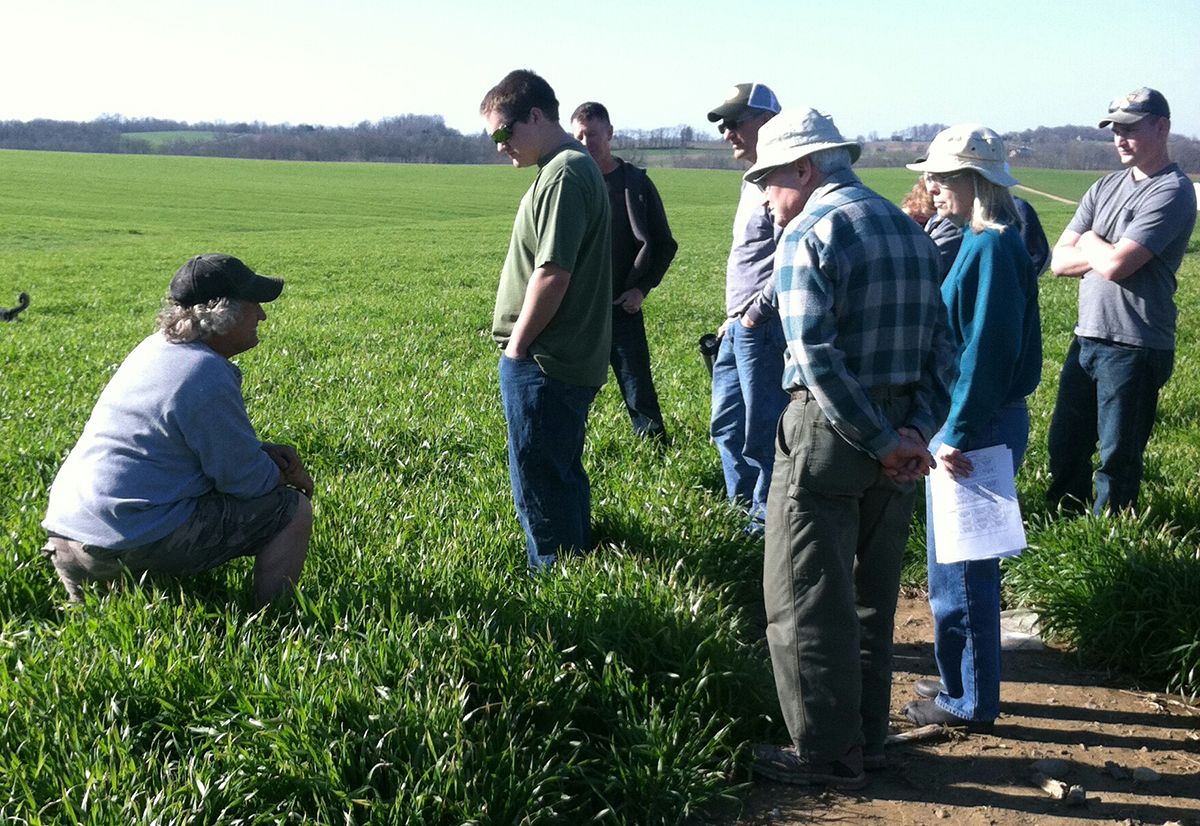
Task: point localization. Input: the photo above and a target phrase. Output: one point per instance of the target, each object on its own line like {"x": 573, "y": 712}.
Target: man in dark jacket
{"x": 642, "y": 249}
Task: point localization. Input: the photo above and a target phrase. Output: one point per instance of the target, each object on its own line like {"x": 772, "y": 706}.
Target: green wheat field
{"x": 423, "y": 676}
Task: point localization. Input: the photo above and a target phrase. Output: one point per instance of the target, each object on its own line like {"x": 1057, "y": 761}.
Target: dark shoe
{"x": 928, "y": 688}
{"x": 929, "y": 713}
{"x": 875, "y": 762}
{"x": 784, "y": 765}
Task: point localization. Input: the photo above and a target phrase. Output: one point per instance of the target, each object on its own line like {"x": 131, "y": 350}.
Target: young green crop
{"x": 423, "y": 676}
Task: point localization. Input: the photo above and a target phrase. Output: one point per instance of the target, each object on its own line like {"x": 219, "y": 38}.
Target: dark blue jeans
{"x": 546, "y": 423}
{"x": 1107, "y": 392}
{"x": 747, "y": 401}
{"x": 630, "y": 361}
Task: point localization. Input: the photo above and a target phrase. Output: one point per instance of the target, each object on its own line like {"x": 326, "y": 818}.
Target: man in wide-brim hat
{"x": 857, "y": 285}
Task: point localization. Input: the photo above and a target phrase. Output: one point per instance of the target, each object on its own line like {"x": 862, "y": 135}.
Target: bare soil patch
{"x": 1102, "y": 728}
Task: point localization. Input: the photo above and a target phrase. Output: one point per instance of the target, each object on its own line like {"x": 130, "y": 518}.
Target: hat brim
{"x": 945, "y": 166}
{"x": 765, "y": 166}
{"x": 731, "y": 111}
{"x": 1122, "y": 118}
{"x": 261, "y": 288}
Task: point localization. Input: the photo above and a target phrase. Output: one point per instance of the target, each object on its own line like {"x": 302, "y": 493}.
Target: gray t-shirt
{"x": 1157, "y": 212}
{"x": 749, "y": 285}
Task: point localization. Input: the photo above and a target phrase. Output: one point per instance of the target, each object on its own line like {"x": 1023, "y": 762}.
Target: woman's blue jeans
{"x": 964, "y": 597}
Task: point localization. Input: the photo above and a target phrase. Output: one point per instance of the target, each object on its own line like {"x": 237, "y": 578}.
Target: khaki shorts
{"x": 221, "y": 528}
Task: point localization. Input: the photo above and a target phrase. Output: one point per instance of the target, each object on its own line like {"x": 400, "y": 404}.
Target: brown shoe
{"x": 927, "y": 688}
{"x": 781, "y": 763}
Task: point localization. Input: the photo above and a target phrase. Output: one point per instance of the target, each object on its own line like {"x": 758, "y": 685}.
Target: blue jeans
{"x": 964, "y": 597}
{"x": 1106, "y": 392}
{"x": 546, "y": 423}
{"x": 630, "y": 359}
{"x": 747, "y": 401}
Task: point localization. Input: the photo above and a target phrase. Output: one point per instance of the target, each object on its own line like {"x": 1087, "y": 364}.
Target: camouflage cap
{"x": 1134, "y": 106}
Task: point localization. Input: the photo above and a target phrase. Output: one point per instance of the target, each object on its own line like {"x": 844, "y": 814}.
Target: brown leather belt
{"x": 883, "y": 393}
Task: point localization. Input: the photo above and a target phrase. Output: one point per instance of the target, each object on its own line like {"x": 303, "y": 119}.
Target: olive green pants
{"x": 836, "y": 530}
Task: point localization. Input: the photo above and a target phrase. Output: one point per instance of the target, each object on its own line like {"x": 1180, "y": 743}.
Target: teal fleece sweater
{"x": 991, "y": 297}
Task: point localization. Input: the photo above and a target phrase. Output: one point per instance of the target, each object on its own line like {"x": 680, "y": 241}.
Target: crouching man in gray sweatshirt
{"x": 169, "y": 476}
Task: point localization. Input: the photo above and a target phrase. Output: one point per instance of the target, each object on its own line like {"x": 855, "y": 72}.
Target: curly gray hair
{"x": 182, "y": 325}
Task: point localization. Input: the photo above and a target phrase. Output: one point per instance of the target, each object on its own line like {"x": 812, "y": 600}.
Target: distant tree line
{"x": 666, "y": 137}
{"x": 1047, "y": 147}
{"x": 427, "y": 139}
{"x": 401, "y": 139}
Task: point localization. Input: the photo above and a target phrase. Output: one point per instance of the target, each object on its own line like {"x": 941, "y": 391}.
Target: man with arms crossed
{"x": 169, "y": 476}
{"x": 867, "y": 358}
{"x": 1126, "y": 243}
{"x": 642, "y": 249}
{"x": 553, "y": 315}
{"x": 746, "y": 394}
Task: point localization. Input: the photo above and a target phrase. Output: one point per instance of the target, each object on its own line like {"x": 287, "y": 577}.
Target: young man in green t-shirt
{"x": 552, "y": 318}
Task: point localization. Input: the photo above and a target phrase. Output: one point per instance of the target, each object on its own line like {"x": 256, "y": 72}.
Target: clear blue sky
{"x": 873, "y": 66}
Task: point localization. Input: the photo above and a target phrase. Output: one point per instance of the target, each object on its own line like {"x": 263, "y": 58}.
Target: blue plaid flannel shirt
{"x": 857, "y": 288}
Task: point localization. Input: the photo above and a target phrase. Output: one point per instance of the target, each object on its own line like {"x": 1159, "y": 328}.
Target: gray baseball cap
{"x": 217, "y": 275}
{"x": 1136, "y": 105}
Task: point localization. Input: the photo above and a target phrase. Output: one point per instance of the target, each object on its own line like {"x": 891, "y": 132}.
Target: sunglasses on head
{"x": 1120, "y": 103}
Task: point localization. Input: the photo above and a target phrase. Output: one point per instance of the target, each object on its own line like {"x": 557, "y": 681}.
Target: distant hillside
{"x": 427, "y": 139}
{"x": 402, "y": 139}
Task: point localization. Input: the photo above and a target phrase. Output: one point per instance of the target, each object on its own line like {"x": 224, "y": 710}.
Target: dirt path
{"x": 1103, "y": 729}
{"x": 1058, "y": 198}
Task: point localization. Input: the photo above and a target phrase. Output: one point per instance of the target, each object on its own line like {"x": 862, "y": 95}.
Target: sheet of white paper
{"x": 978, "y": 517}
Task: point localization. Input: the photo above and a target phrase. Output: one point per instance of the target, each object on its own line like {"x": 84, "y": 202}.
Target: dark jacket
{"x": 948, "y": 238}
{"x": 648, "y": 220}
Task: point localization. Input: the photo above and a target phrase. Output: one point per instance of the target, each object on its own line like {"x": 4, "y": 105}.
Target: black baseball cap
{"x": 217, "y": 275}
{"x": 1134, "y": 106}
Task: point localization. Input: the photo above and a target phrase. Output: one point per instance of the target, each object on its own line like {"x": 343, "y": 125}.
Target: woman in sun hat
{"x": 991, "y": 299}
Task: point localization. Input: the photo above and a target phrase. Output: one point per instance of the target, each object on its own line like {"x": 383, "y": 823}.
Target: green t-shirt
{"x": 563, "y": 219}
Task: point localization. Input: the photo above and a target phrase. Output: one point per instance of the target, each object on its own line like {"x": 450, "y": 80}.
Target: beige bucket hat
{"x": 788, "y": 137}
{"x": 967, "y": 146}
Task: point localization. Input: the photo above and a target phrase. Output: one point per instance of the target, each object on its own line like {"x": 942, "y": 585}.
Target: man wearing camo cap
{"x": 746, "y": 394}
{"x": 1125, "y": 243}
